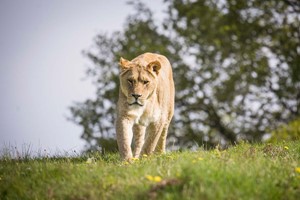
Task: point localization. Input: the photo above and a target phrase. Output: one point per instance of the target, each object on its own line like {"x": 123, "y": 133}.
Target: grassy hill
{"x": 265, "y": 171}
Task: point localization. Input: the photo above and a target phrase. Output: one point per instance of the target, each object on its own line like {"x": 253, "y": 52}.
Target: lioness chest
{"x": 144, "y": 115}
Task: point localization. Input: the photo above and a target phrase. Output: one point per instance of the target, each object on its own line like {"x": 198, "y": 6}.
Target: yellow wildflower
{"x": 157, "y": 179}
{"x": 198, "y": 159}
{"x": 153, "y": 178}
{"x": 297, "y": 169}
{"x": 149, "y": 177}
{"x": 134, "y": 159}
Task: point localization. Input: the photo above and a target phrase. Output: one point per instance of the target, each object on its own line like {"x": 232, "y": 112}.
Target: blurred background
{"x": 235, "y": 63}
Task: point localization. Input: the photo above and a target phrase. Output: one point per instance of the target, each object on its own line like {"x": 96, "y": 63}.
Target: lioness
{"x": 145, "y": 106}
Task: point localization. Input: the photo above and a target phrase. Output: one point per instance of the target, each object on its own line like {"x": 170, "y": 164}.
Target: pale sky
{"x": 41, "y": 67}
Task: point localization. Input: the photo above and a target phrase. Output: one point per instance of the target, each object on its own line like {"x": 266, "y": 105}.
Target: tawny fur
{"x": 145, "y": 117}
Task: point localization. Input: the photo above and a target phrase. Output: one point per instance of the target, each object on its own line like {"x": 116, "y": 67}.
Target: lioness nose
{"x": 136, "y": 96}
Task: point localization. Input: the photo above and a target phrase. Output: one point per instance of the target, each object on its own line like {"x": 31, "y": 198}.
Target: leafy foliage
{"x": 235, "y": 64}
{"x": 286, "y": 132}
{"x": 140, "y": 35}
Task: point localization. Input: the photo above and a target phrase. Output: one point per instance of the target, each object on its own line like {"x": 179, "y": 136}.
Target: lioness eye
{"x": 146, "y": 82}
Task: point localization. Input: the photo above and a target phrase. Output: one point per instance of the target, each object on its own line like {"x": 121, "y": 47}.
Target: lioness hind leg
{"x": 138, "y": 137}
{"x": 161, "y": 144}
{"x": 153, "y": 133}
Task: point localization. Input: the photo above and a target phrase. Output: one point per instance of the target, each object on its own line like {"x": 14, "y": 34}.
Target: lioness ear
{"x": 124, "y": 63}
{"x": 154, "y": 66}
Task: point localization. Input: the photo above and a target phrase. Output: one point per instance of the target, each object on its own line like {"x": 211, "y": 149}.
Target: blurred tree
{"x": 286, "y": 132}
{"x": 236, "y": 69}
{"x": 140, "y": 35}
{"x": 245, "y": 73}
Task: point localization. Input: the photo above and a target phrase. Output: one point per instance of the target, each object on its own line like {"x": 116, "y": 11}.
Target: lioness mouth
{"x": 135, "y": 103}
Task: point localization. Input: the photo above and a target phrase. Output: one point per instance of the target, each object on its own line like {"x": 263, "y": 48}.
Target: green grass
{"x": 265, "y": 171}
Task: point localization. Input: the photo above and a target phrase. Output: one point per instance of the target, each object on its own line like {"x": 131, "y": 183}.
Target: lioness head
{"x": 138, "y": 82}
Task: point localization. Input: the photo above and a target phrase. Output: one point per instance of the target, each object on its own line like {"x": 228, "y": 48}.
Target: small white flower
{"x": 90, "y": 160}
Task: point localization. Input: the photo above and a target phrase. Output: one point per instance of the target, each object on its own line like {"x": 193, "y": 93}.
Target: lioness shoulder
{"x": 145, "y": 106}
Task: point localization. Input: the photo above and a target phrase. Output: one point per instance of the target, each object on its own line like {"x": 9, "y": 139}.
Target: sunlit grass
{"x": 268, "y": 171}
